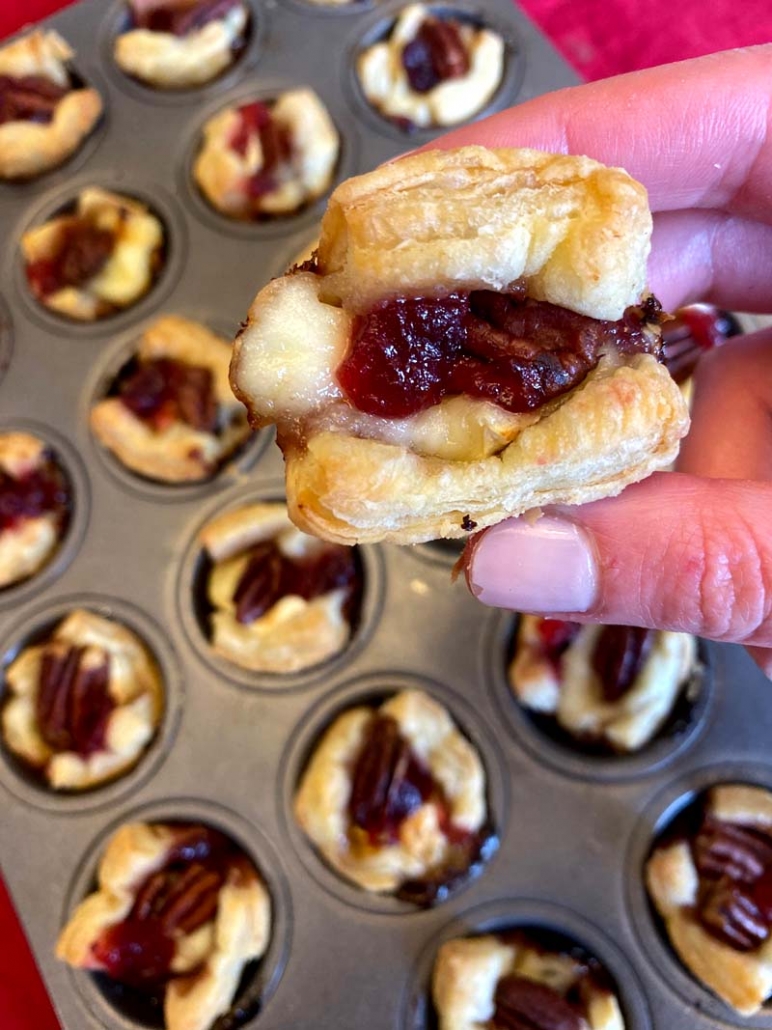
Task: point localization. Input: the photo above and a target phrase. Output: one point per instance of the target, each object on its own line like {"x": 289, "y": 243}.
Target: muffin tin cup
{"x": 101, "y": 1002}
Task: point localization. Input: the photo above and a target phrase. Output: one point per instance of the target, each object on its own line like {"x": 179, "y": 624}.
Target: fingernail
{"x": 541, "y": 567}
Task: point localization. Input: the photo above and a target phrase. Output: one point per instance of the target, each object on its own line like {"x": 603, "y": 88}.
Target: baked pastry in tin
{"x": 473, "y": 340}
{"x": 171, "y": 414}
{"x": 179, "y": 913}
{"x": 45, "y": 114}
{"x": 432, "y": 70}
{"x": 605, "y": 685}
{"x": 83, "y": 704}
{"x": 281, "y": 601}
{"x": 511, "y": 981}
{"x": 174, "y": 44}
{"x": 34, "y": 506}
{"x": 95, "y": 260}
{"x": 394, "y": 798}
{"x": 266, "y": 159}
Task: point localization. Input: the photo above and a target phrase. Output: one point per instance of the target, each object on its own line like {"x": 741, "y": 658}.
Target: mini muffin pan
{"x": 573, "y": 830}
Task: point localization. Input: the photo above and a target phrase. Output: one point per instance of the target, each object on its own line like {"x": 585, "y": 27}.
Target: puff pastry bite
{"x": 710, "y": 879}
{"x": 171, "y": 415}
{"x": 394, "y": 798}
{"x": 472, "y": 340}
{"x": 605, "y": 685}
{"x": 281, "y": 601}
{"x": 433, "y": 69}
{"x": 45, "y": 113}
{"x": 34, "y": 506}
{"x": 84, "y": 704}
{"x": 174, "y": 44}
{"x": 266, "y": 159}
{"x": 95, "y": 260}
{"x": 180, "y": 911}
{"x": 511, "y": 981}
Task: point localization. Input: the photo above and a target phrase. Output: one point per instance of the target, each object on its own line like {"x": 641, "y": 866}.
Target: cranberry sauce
{"x": 407, "y": 354}
{"x": 161, "y": 391}
{"x": 270, "y": 575}
{"x": 181, "y": 18}
{"x": 693, "y": 330}
{"x": 555, "y": 637}
{"x": 73, "y": 703}
{"x": 256, "y": 122}
{"x": 619, "y": 656}
{"x": 437, "y": 53}
{"x": 522, "y": 1004}
{"x": 40, "y": 492}
{"x": 84, "y": 250}
{"x": 31, "y": 98}
{"x": 177, "y": 899}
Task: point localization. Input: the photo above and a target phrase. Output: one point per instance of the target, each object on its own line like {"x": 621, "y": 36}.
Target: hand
{"x": 690, "y": 550}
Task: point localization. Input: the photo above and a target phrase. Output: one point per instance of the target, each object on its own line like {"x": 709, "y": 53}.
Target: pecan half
{"x": 30, "y": 98}
{"x": 725, "y": 850}
{"x": 162, "y": 391}
{"x": 730, "y": 914}
{"x": 179, "y": 900}
{"x": 72, "y": 703}
{"x": 526, "y": 1005}
{"x": 618, "y": 657}
{"x": 435, "y": 54}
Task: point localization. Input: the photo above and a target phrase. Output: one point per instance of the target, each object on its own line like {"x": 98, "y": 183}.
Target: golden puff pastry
{"x": 175, "y": 46}
{"x": 713, "y": 889}
{"x": 282, "y": 601}
{"x": 405, "y": 406}
{"x": 481, "y": 983}
{"x": 431, "y": 70}
{"x": 262, "y": 160}
{"x": 99, "y": 259}
{"x": 174, "y": 417}
{"x": 34, "y": 506}
{"x": 614, "y": 685}
{"x": 394, "y": 798}
{"x": 198, "y": 947}
{"x": 44, "y": 115}
{"x": 84, "y": 704}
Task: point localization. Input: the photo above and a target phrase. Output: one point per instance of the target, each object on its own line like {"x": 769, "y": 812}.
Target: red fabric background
{"x": 599, "y": 38}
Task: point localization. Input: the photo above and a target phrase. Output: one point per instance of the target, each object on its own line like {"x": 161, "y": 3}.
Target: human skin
{"x": 690, "y": 550}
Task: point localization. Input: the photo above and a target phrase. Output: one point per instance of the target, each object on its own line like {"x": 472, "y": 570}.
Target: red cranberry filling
{"x": 177, "y": 899}
{"x": 181, "y": 18}
{"x": 437, "y": 53}
{"x": 523, "y": 1004}
{"x": 256, "y": 122}
{"x": 162, "y": 391}
{"x": 619, "y": 656}
{"x": 556, "y": 636}
{"x": 270, "y": 575}
{"x": 84, "y": 250}
{"x": 30, "y": 98}
{"x": 73, "y": 703}
{"x": 409, "y": 353}
{"x": 37, "y": 493}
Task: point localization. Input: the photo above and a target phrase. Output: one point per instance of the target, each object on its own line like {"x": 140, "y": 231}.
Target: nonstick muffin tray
{"x": 573, "y": 829}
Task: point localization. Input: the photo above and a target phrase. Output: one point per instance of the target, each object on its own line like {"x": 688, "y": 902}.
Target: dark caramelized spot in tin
{"x": 270, "y": 575}
{"x": 84, "y": 250}
{"x": 409, "y": 353}
{"x": 177, "y": 899}
{"x": 523, "y": 1004}
{"x": 29, "y": 98}
{"x": 619, "y": 656}
{"x": 181, "y": 18}
{"x": 437, "y": 53}
{"x": 73, "y": 703}
{"x": 257, "y": 122}
{"x": 40, "y": 492}
{"x": 161, "y": 391}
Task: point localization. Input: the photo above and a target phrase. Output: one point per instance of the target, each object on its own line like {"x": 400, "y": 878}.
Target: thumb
{"x": 673, "y": 552}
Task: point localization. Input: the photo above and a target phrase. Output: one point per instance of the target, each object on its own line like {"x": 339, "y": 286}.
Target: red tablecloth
{"x": 599, "y": 38}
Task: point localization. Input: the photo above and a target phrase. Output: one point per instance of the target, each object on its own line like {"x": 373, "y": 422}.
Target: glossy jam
{"x": 31, "y": 98}
{"x": 163, "y": 391}
{"x": 38, "y": 493}
{"x": 436, "y": 54}
{"x": 409, "y": 353}
{"x": 73, "y": 704}
{"x": 84, "y": 250}
{"x": 556, "y": 636}
{"x": 270, "y": 575}
{"x": 256, "y": 122}
{"x": 181, "y": 19}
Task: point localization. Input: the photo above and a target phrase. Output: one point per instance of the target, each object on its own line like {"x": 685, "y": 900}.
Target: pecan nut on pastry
{"x": 171, "y": 415}
{"x": 266, "y": 159}
{"x": 179, "y": 913}
{"x": 394, "y": 798}
{"x": 710, "y": 879}
{"x": 432, "y": 70}
{"x": 34, "y": 506}
{"x": 512, "y": 981}
{"x": 605, "y": 685}
{"x": 84, "y": 704}
{"x": 473, "y": 340}
{"x": 281, "y": 601}
{"x": 174, "y": 44}
{"x": 96, "y": 260}
{"x": 45, "y": 114}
